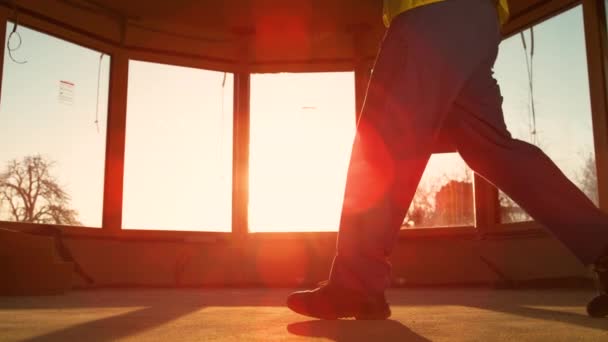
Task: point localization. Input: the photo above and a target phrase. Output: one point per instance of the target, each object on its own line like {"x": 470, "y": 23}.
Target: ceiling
{"x": 227, "y": 13}
{"x": 261, "y": 34}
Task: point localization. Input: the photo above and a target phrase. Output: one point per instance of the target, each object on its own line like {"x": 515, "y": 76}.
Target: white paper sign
{"x": 66, "y": 92}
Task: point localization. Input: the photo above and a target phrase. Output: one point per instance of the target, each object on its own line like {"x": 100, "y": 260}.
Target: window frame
{"x": 77, "y": 38}
{"x": 485, "y": 195}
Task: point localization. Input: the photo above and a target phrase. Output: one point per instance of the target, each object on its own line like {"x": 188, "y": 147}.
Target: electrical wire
{"x": 98, "y": 88}
{"x": 530, "y": 70}
{"x": 222, "y": 120}
{"x": 14, "y": 33}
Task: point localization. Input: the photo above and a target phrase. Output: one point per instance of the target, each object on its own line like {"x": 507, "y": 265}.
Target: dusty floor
{"x": 260, "y": 315}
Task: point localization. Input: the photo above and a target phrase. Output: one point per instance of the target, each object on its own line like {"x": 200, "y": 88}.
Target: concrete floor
{"x": 260, "y": 315}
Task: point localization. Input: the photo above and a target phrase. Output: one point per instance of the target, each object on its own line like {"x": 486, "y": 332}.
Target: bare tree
{"x": 587, "y": 179}
{"x": 510, "y": 211}
{"x": 30, "y": 194}
{"x": 421, "y": 209}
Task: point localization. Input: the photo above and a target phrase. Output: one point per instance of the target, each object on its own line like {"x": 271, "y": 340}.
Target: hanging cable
{"x": 98, "y": 88}
{"x": 16, "y": 34}
{"x": 530, "y": 70}
{"x": 222, "y": 120}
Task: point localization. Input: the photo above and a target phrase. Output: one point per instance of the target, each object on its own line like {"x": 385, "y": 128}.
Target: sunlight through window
{"x": 52, "y": 121}
{"x": 556, "y": 114}
{"x": 444, "y": 197}
{"x": 302, "y": 129}
{"x": 178, "y": 158}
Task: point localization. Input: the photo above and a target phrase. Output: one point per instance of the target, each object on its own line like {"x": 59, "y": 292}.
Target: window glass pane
{"x": 52, "y": 130}
{"x": 444, "y": 196}
{"x": 302, "y": 129}
{"x": 559, "y": 121}
{"x": 178, "y": 158}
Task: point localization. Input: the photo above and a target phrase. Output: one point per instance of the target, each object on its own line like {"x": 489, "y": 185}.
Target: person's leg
{"x": 426, "y": 58}
{"x": 522, "y": 170}
{"x": 476, "y": 126}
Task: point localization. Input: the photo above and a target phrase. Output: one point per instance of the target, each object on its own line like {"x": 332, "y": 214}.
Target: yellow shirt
{"x": 393, "y": 8}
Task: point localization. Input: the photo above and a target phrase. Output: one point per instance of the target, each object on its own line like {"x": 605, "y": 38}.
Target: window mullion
{"x": 240, "y": 155}
{"x": 115, "y": 148}
{"x": 486, "y": 204}
{"x": 595, "y": 36}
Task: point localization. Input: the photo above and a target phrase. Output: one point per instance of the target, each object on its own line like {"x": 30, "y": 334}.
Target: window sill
{"x": 499, "y": 231}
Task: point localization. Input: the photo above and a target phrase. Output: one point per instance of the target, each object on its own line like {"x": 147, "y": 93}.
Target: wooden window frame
{"x": 485, "y": 195}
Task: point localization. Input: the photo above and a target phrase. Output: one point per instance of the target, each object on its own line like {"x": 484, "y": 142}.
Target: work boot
{"x": 330, "y": 301}
{"x": 598, "y": 306}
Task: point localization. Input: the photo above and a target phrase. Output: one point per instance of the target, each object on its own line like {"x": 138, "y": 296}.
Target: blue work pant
{"x": 433, "y": 75}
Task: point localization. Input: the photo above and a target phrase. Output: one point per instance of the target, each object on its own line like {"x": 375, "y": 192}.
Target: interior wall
{"x": 303, "y": 262}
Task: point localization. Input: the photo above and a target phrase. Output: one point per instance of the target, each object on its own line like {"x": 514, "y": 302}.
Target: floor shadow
{"x": 555, "y": 316}
{"x": 117, "y": 326}
{"x": 351, "y": 330}
{"x": 152, "y": 308}
{"x": 536, "y": 304}
{"x": 114, "y": 298}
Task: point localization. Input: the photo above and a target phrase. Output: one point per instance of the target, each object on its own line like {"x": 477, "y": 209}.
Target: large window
{"x": 178, "y": 158}
{"x": 554, "y": 113}
{"x": 52, "y": 130}
{"x": 302, "y": 129}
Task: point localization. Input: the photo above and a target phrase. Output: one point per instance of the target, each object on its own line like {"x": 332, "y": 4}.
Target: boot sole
{"x": 598, "y": 306}
{"x": 376, "y": 316}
